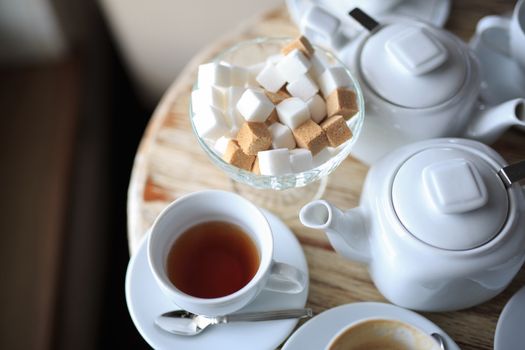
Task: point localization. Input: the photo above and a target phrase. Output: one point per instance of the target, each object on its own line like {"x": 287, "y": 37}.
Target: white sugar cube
{"x": 275, "y": 58}
{"x": 232, "y": 114}
{"x": 234, "y": 119}
{"x": 232, "y": 95}
{"x": 217, "y": 74}
{"x": 253, "y": 71}
{"x": 323, "y": 156}
{"x": 210, "y": 123}
{"x": 301, "y": 160}
{"x": 221, "y": 144}
{"x": 270, "y": 78}
{"x": 292, "y": 112}
{"x": 317, "y": 107}
{"x": 239, "y": 76}
{"x": 254, "y": 106}
{"x": 274, "y": 162}
{"x": 207, "y": 96}
{"x": 319, "y": 64}
{"x": 257, "y": 89}
{"x": 282, "y": 136}
{"x": 304, "y": 87}
{"x": 333, "y": 78}
{"x": 293, "y": 65}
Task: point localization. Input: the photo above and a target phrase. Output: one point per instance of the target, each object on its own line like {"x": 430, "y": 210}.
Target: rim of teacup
{"x": 159, "y": 272}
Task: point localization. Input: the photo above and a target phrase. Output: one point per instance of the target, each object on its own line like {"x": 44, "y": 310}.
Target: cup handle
{"x": 492, "y": 22}
{"x": 285, "y": 278}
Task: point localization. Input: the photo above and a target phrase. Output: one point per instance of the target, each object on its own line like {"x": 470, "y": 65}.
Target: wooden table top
{"x": 170, "y": 163}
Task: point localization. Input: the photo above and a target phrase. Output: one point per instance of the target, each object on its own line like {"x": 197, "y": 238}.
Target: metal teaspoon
{"x": 186, "y": 323}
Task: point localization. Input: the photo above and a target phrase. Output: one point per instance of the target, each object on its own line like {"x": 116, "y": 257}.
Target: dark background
{"x": 70, "y": 129}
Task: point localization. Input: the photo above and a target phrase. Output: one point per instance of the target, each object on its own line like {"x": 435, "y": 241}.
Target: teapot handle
{"x": 512, "y": 173}
{"x": 364, "y": 19}
{"x": 492, "y": 22}
{"x": 489, "y": 22}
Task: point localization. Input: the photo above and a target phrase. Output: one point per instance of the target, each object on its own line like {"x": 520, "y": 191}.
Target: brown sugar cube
{"x": 277, "y": 97}
{"x": 254, "y": 137}
{"x": 300, "y": 43}
{"x": 310, "y": 135}
{"x": 255, "y": 167}
{"x": 235, "y": 156}
{"x": 273, "y": 118}
{"x": 336, "y": 130}
{"x": 342, "y": 102}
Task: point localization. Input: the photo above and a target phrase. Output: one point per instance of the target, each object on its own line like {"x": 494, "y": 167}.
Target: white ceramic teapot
{"x": 437, "y": 225}
{"x": 419, "y": 82}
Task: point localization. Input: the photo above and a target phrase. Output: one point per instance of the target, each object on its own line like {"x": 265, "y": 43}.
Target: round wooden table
{"x": 170, "y": 163}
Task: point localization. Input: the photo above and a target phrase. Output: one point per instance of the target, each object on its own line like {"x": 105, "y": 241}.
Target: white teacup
{"x": 515, "y": 26}
{"x": 377, "y": 333}
{"x": 214, "y": 205}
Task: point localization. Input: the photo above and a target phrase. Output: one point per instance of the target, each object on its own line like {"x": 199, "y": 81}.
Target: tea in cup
{"x": 382, "y": 334}
{"x": 212, "y": 259}
{"x": 211, "y": 253}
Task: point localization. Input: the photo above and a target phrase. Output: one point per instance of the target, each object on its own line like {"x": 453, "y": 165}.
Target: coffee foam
{"x": 384, "y": 334}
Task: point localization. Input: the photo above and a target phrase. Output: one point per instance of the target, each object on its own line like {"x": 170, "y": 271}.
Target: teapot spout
{"x": 346, "y": 231}
{"x": 494, "y": 121}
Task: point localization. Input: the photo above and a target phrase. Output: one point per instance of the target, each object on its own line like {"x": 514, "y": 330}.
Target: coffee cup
{"x": 214, "y": 265}
{"x": 514, "y": 26}
{"x": 378, "y": 333}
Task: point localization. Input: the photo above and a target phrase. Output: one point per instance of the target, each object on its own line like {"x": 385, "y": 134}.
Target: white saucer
{"x": 502, "y": 76}
{"x": 317, "y": 333}
{"x": 432, "y": 11}
{"x": 145, "y": 302}
{"x": 509, "y": 330}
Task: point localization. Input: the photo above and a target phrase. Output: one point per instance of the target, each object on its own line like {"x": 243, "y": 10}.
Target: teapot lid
{"x": 450, "y": 198}
{"x": 413, "y": 65}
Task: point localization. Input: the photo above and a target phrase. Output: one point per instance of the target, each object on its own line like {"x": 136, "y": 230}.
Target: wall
{"x": 29, "y": 32}
{"x": 158, "y": 37}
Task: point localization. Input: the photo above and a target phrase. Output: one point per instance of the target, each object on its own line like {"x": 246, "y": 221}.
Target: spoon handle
{"x": 267, "y": 315}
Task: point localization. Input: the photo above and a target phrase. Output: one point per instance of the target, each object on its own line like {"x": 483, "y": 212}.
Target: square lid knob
{"x": 455, "y": 186}
{"x": 416, "y": 50}
{"x": 450, "y": 197}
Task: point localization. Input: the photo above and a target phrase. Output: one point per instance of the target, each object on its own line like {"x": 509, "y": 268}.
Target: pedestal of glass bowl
{"x": 284, "y": 203}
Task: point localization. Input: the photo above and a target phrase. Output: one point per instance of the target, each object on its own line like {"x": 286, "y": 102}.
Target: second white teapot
{"x": 437, "y": 226}
{"x": 419, "y": 82}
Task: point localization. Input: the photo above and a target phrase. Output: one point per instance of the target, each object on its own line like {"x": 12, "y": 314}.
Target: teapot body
{"x": 419, "y": 82}
{"x": 414, "y": 274}
{"x": 390, "y": 124}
